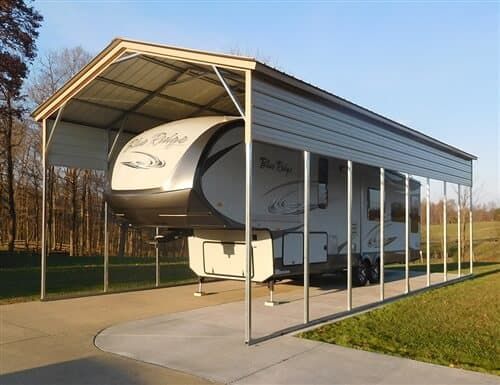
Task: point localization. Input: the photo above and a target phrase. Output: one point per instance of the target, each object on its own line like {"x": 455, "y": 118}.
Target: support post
{"x": 428, "y": 230}
{"x": 157, "y": 255}
{"x": 459, "y": 234}
{"x": 43, "y": 262}
{"x": 445, "y": 227}
{"x": 248, "y": 244}
{"x": 470, "y": 232}
{"x": 382, "y": 237}
{"x": 307, "y": 185}
{"x": 407, "y": 233}
{"x": 106, "y": 248}
{"x": 349, "y": 235}
{"x": 248, "y": 207}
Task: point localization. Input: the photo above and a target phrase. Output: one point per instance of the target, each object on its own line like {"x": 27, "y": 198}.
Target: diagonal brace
{"x": 228, "y": 90}
{"x": 58, "y": 119}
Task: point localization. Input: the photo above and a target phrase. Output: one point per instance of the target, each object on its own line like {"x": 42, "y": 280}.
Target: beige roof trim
{"x": 191, "y": 55}
{"x": 120, "y": 46}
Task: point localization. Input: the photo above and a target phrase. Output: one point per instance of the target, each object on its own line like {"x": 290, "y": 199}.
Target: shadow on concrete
{"x": 90, "y": 370}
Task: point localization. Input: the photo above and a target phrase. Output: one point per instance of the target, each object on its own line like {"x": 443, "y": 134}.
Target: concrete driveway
{"x": 167, "y": 336}
{"x": 52, "y": 342}
{"x": 208, "y": 343}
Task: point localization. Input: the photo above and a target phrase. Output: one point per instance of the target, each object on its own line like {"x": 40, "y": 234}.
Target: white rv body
{"x": 190, "y": 175}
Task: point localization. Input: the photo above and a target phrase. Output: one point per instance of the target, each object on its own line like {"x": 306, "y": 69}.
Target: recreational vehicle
{"x": 188, "y": 178}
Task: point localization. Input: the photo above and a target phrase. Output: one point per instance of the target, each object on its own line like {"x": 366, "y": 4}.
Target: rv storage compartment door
{"x": 221, "y": 254}
{"x": 318, "y": 247}
{"x": 293, "y": 248}
{"x": 224, "y": 258}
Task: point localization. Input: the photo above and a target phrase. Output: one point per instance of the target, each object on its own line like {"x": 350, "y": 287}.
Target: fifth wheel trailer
{"x": 188, "y": 177}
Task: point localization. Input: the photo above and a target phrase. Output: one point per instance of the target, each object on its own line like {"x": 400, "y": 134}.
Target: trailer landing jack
{"x": 200, "y": 291}
{"x": 271, "y": 301}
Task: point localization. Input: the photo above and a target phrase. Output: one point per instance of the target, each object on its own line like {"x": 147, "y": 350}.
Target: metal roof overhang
{"x": 132, "y": 86}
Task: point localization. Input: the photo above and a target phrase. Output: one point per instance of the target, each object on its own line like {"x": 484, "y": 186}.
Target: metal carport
{"x": 132, "y": 86}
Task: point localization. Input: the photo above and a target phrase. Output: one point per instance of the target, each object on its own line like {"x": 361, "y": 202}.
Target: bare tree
{"x": 19, "y": 24}
{"x": 465, "y": 212}
{"x": 52, "y": 70}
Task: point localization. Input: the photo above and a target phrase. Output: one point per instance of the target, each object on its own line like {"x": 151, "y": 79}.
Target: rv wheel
{"x": 360, "y": 274}
{"x": 374, "y": 272}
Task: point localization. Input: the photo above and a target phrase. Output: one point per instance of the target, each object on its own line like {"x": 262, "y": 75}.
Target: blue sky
{"x": 431, "y": 65}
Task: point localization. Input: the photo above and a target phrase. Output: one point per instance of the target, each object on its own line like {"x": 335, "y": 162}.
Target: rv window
{"x": 373, "y": 204}
{"x": 322, "y": 183}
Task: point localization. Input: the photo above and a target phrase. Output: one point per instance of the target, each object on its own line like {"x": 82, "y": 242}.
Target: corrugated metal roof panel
{"x": 139, "y": 123}
{"x": 170, "y": 110}
{"x": 111, "y": 95}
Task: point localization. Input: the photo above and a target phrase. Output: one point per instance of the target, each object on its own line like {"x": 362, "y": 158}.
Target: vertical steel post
{"x": 307, "y": 183}
{"x": 382, "y": 237}
{"x": 248, "y": 207}
{"x": 428, "y": 230}
{"x": 106, "y": 231}
{"x": 407, "y": 233}
{"x": 445, "y": 227}
{"x": 349, "y": 235}
{"x": 106, "y": 248}
{"x": 248, "y": 240}
{"x": 157, "y": 255}
{"x": 459, "y": 234}
{"x": 470, "y": 231}
{"x": 43, "y": 262}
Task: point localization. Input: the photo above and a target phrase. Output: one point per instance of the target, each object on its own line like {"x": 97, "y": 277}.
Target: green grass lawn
{"x": 457, "y": 325}
{"x": 69, "y": 276}
{"x": 486, "y": 240}
{"x": 481, "y": 230}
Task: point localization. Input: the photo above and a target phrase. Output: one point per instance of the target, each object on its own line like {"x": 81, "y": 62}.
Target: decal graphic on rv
{"x": 287, "y": 202}
{"x": 145, "y": 162}
{"x": 374, "y": 238}
{"x": 159, "y": 138}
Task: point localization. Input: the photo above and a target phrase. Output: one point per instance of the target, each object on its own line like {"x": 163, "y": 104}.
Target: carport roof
{"x": 131, "y": 80}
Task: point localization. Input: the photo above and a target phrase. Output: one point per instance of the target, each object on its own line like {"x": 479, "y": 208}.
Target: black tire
{"x": 374, "y": 272}
{"x": 360, "y": 274}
